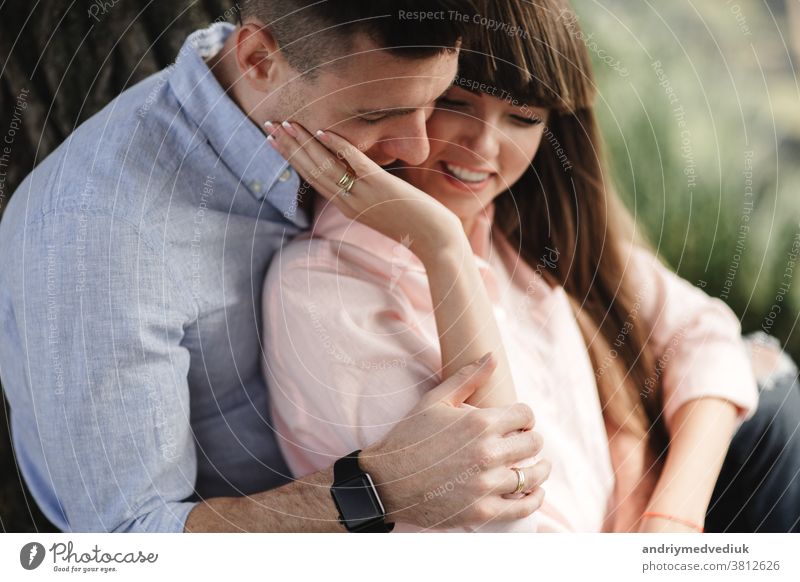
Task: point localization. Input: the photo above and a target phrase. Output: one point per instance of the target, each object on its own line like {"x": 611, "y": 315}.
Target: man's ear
{"x": 257, "y": 55}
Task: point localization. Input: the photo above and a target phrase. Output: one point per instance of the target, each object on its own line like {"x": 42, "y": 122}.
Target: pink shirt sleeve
{"x": 343, "y": 359}
{"x": 698, "y": 339}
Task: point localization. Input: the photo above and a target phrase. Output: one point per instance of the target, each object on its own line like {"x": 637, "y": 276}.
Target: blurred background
{"x": 700, "y": 108}
{"x": 699, "y": 103}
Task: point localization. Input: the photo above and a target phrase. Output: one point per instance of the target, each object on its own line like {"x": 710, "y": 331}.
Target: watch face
{"x": 357, "y": 502}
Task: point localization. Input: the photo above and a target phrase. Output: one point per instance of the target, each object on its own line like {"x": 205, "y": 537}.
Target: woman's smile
{"x": 478, "y": 149}
{"x": 465, "y": 178}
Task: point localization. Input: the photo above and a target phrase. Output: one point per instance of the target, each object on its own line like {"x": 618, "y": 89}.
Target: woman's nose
{"x": 483, "y": 140}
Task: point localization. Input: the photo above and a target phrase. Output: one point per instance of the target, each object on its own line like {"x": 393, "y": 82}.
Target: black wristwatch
{"x": 356, "y": 498}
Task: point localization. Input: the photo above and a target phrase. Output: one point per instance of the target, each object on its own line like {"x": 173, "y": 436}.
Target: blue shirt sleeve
{"x": 104, "y": 397}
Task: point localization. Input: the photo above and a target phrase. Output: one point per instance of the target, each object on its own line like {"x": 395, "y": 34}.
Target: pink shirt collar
{"x": 331, "y": 224}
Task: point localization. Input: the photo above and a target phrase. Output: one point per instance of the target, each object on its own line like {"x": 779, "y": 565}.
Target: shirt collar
{"x": 239, "y": 143}
{"x": 330, "y": 223}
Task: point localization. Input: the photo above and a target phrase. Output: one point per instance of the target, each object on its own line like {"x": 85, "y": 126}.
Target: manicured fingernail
{"x": 270, "y": 127}
{"x": 271, "y": 141}
{"x": 322, "y": 135}
{"x": 485, "y": 358}
{"x": 289, "y": 129}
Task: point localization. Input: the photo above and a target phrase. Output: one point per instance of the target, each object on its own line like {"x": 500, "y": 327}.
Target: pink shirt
{"x": 351, "y": 346}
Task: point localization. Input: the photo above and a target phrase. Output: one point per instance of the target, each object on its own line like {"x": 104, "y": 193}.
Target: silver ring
{"x": 520, "y": 480}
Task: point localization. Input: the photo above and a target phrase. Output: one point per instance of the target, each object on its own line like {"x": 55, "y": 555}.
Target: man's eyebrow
{"x": 395, "y": 111}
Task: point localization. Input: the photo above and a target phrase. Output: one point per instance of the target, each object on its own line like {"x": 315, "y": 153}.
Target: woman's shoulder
{"x": 337, "y": 278}
{"x": 308, "y": 255}
{"x": 304, "y": 252}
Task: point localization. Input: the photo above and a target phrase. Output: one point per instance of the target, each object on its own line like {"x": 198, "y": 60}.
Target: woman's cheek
{"x": 518, "y": 161}
{"x": 533, "y": 148}
{"x": 529, "y": 149}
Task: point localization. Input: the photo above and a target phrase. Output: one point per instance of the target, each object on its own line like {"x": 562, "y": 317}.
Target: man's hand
{"x": 447, "y": 464}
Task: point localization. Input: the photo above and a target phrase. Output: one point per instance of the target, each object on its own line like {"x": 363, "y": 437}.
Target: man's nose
{"x": 409, "y": 142}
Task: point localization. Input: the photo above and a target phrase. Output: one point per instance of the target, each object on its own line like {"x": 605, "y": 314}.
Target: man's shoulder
{"x": 130, "y": 147}
{"x": 111, "y": 169}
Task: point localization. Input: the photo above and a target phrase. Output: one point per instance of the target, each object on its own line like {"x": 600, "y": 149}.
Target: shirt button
{"x": 255, "y": 187}
{"x": 285, "y": 176}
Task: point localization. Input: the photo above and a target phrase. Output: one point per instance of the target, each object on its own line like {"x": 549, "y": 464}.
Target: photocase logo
{"x": 31, "y": 555}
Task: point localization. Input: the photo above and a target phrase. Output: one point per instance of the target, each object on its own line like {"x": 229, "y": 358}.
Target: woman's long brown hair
{"x": 566, "y": 202}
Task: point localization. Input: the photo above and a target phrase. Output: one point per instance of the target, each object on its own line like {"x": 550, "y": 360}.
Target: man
{"x": 130, "y": 303}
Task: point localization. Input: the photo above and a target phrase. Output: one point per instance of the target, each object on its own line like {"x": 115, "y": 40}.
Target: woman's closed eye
{"x": 526, "y": 120}
{"x": 447, "y": 103}
{"x": 523, "y": 120}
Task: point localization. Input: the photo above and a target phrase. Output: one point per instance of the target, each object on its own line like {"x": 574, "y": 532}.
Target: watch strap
{"x": 347, "y": 468}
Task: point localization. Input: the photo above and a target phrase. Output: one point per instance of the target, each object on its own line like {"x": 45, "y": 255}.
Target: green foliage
{"x": 699, "y": 107}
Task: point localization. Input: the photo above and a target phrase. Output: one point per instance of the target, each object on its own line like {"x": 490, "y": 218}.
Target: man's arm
{"x": 101, "y": 402}
{"x": 301, "y": 506}
{"x": 438, "y": 442}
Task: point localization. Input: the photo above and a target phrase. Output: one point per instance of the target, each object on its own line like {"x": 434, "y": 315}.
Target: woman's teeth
{"x": 467, "y": 175}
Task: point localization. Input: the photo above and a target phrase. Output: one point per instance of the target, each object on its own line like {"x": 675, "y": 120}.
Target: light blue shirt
{"x": 130, "y": 284}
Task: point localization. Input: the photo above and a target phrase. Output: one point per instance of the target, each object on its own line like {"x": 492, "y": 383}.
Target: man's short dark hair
{"x": 313, "y": 32}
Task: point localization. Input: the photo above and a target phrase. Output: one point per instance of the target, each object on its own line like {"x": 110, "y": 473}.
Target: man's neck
{"x": 225, "y": 69}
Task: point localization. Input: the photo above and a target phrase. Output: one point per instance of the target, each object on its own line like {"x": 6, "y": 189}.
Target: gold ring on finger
{"x": 346, "y": 182}
{"x": 520, "y": 480}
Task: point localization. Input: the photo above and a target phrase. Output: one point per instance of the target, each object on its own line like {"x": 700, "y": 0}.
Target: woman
{"x": 507, "y": 239}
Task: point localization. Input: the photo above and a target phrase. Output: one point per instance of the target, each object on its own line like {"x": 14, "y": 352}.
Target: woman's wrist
{"x": 655, "y": 521}
{"x": 677, "y": 506}
{"x": 449, "y": 245}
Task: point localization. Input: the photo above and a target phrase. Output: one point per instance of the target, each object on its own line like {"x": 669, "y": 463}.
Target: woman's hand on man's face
{"x": 377, "y": 198}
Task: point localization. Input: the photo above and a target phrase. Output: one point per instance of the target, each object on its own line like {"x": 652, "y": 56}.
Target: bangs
{"x": 535, "y": 57}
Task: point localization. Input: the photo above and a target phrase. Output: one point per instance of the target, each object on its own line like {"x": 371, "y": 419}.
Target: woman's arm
{"x": 707, "y": 380}
{"x": 465, "y": 318}
{"x": 702, "y": 432}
